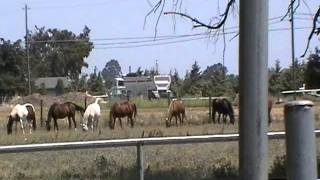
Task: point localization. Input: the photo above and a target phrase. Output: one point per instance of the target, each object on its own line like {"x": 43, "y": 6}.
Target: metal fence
{"x": 138, "y": 142}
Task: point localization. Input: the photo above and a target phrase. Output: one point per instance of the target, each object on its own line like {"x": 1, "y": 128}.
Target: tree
{"x": 111, "y": 70}
{"x": 312, "y": 74}
{"x": 287, "y": 80}
{"x": 176, "y": 83}
{"x": 56, "y": 53}
{"x": 42, "y": 89}
{"x": 13, "y": 76}
{"x": 192, "y": 82}
{"x": 95, "y": 83}
{"x": 274, "y": 79}
{"x": 59, "y": 89}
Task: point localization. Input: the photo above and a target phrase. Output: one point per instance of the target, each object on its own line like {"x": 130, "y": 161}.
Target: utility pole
{"x": 27, "y": 46}
{"x": 292, "y": 50}
{"x": 157, "y": 67}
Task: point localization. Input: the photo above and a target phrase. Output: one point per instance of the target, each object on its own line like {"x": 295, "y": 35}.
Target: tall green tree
{"x": 60, "y": 87}
{"x": 275, "y": 79}
{"x": 57, "y": 52}
{"x": 176, "y": 83}
{"x": 192, "y": 83}
{"x": 312, "y": 74}
{"x": 287, "y": 80}
{"x": 95, "y": 83}
{"x": 13, "y": 72}
{"x": 111, "y": 70}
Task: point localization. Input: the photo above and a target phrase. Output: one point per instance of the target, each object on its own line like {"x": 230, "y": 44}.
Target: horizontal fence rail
{"x": 130, "y": 142}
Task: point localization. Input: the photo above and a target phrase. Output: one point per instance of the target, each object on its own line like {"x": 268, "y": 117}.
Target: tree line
{"x": 57, "y": 53}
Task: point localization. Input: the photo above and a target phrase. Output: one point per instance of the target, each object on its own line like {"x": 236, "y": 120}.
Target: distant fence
{"x": 138, "y": 142}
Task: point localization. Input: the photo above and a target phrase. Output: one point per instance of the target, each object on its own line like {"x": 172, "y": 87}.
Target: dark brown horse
{"x": 120, "y": 110}
{"x": 60, "y": 111}
{"x": 224, "y": 107}
{"x": 176, "y": 110}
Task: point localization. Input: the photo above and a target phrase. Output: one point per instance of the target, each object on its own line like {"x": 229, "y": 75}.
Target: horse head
{"x": 84, "y": 127}
{"x": 10, "y": 123}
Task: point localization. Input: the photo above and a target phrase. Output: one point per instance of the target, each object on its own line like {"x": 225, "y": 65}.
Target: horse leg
{"x": 69, "y": 121}
{"x": 15, "y": 126}
{"x": 74, "y": 122}
{"x": 21, "y": 124}
{"x": 55, "y": 124}
{"x": 180, "y": 120}
{"x": 224, "y": 116}
{"x": 132, "y": 122}
{"x": 120, "y": 121}
{"x": 176, "y": 120}
{"x": 219, "y": 114}
{"x": 214, "y": 117}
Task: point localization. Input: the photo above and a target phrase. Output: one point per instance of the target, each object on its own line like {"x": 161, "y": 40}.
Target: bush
{"x": 59, "y": 87}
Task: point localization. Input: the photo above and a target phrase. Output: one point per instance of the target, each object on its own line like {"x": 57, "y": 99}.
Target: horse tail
{"x": 9, "y": 125}
{"x": 32, "y": 115}
{"x": 134, "y": 110}
{"x": 78, "y": 108}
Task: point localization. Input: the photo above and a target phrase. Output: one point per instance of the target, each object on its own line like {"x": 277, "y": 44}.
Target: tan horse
{"x": 176, "y": 110}
{"x": 120, "y": 110}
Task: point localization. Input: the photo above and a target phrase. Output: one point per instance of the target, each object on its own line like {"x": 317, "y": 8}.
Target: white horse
{"x": 91, "y": 116}
{"x": 25, "y": 114}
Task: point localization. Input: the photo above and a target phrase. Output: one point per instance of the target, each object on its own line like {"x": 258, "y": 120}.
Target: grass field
{"x": 194, "y": 161}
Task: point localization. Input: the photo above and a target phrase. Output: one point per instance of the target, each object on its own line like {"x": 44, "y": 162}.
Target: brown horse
{"x": 60, "y": 111}
{"x": 176, "y": 110}
{"x": 120, "y": 110}
{"x": 224, "y": 107}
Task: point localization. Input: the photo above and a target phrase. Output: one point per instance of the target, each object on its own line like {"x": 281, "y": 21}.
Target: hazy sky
{"x": 125, "y": 18}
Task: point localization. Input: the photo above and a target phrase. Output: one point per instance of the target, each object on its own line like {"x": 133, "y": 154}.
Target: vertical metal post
{"x": 140, "y": 161}
{"x": 253, "y": 95}
{"x": 210, "y": 109}
{"x": 27, "y": 47}
{"x": 41, "y": 112}
{"x": 292, "y": 51}
{"x": 300, "y": 140}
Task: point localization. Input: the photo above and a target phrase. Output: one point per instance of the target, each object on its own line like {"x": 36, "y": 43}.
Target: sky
{"x": 114, "y": 19}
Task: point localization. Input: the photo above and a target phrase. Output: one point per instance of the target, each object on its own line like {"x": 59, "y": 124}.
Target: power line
{"x": 187, "y": 40}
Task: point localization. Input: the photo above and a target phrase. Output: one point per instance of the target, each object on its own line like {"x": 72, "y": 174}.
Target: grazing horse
{"x": 224, "y": 107}
{"x": 120, "y": 110}
{"x": 269, "y": 111}
{"x": 25, "y": 114}
{"x": 60, "y": 111}
{"x": 91, "y": 116}
{"x": 176, "y": 110}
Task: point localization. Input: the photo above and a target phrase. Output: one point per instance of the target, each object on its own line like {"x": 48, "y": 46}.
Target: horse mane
{"x": 29, "y": 104}
{"x": 97, "y": 100}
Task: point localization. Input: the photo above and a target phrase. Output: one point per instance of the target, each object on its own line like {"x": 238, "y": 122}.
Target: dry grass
{"x": 150, "y": 122}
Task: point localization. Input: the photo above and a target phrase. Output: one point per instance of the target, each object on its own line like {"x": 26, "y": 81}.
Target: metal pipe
{"x": 130, "y": 142}
{"x": 253, "y": 95}
{"x": 300, "y": 140}
{"x": 140, "y": 161}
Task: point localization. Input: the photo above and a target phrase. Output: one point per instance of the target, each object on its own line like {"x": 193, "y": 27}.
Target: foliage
{"x": 111, "y": 70}
{"x": 13, "y": 70}
{"x": 274, "y": 79}
{"x": 192, "y": 83}
{"x": 54, "y": 59}
{"x": 60, "y": 88}
{"x": 138, "y": 73}
{"x": 95, "y": 83}
{"x": 176, "y": 84}
{"x": 42, "y": 89}
{"x": 312, "y": 74}
{"x": 286, "y": 77}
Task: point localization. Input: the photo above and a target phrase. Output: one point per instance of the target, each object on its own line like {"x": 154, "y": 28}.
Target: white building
{"x": 162, "y": 83}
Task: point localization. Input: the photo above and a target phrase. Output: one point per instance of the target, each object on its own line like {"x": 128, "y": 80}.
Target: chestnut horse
{"x": 60, "y": 111}
{"x": 120, "y": 110}
{"x": 224, "y": 107}
{"x": 176, "y": 110}
{"x": 269, "y": 111}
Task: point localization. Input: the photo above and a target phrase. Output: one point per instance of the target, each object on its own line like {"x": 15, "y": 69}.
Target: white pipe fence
{"x": 138, "y": 142}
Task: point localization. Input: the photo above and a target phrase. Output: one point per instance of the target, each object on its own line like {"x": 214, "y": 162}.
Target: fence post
{"x": 300, "y": 140}
{"x": 210, "y": 109}
{"x": 41, "y": 113}
{"x": 140, "y": 161}
{"x": 169, "y": 99}
{"x": 85, "y": 102}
